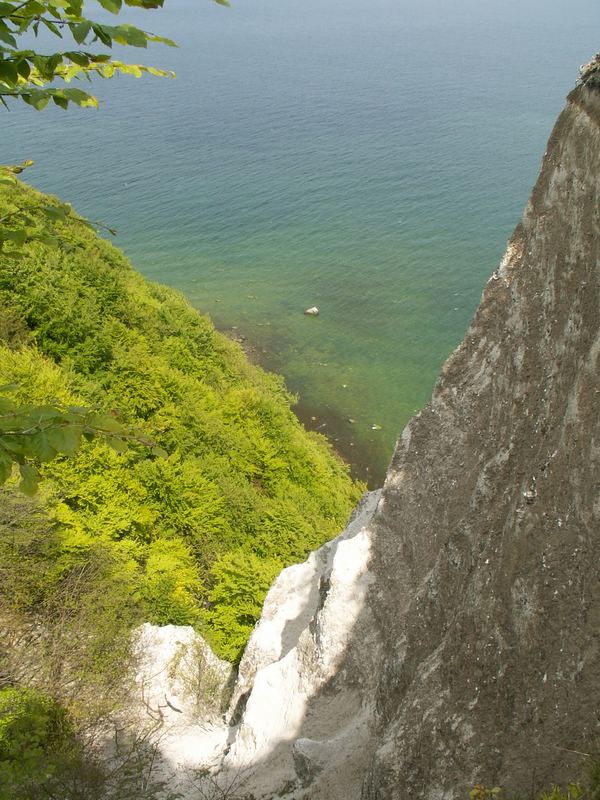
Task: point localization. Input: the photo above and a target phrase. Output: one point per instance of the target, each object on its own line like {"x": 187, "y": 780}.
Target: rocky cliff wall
{"x": 487, "y": 544}
{"x": 474, "y": 648}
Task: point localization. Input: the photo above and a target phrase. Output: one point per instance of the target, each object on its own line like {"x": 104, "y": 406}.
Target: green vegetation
{"x": 197, "y": 536}
{"x": 66, "y": 662}
{"x": 36, "y": 78}
{"x": 65, "y": 613}
{"x": 35, "y": 739}
{"x": 43, "y": 758}
{"x": 190, "y": 531}
{"x": 589, "y": 789}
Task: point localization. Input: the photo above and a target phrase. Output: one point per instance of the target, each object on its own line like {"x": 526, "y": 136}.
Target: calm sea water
{"x": 369, "y": 158}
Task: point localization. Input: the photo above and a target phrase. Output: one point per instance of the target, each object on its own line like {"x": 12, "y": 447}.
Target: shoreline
{"x": 334, "y": 426}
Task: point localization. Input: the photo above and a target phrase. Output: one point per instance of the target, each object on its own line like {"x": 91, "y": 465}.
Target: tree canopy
{"x": 243, "y": 490}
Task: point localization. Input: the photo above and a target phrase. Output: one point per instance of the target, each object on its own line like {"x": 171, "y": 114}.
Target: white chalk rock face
{"x": 182, "y": 690}
{"x": 293, "y": 655}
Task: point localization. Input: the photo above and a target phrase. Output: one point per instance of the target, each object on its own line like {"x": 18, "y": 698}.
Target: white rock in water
{"x": 312, "y": 312}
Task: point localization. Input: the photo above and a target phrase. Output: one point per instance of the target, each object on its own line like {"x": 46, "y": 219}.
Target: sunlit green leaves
{"x": 15, "y": 169}
{"x": 31, "y": 76}
{"x": 25, "y": 75}
{"x": 18, "y": 226}
{"x": 34, "y": 435}
{"x": 114, "y": 6}
{"x": 38, "y": 79}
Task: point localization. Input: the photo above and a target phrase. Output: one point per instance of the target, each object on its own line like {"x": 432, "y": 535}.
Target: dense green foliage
{"x": 42, "y": 757}
{"x": 244, "y": 489}
{"x": 65, "y": 613}
{"x": 34, "y": 739}
{"x": 66, "y": 665}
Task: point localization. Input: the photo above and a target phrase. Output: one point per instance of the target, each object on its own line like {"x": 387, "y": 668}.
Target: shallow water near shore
{"x": 367, "y": 159}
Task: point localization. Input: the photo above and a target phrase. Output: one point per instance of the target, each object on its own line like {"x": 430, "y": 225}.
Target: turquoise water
{"x": 369, "y": 158}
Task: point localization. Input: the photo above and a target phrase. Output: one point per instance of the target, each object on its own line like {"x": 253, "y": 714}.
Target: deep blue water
{"x": 369, "y": 158}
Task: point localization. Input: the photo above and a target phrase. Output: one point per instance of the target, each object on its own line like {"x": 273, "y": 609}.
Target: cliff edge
{"x": 475, "y": 655}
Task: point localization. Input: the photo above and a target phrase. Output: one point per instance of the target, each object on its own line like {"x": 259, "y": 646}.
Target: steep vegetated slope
{"x": 196, "y": 537}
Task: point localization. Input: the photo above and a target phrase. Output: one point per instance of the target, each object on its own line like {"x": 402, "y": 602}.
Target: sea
{"x": 366, "y": 157}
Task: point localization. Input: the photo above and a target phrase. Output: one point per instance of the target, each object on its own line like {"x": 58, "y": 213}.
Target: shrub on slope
{"x": 243, "y": 482}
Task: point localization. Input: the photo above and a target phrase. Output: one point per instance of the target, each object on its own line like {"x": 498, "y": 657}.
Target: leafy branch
{"x": 18, "y": 226}
{"x": 32, "y": 435}
{"x": 28, "y": 75}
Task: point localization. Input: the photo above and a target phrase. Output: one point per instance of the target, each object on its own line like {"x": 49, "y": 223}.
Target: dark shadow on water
{"x": 368, "y": 460}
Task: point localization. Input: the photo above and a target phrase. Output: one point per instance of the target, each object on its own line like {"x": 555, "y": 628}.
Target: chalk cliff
{"x": 452, "y": 634}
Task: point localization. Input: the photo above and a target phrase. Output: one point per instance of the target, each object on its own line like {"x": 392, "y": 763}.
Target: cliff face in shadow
{"x": 483, "y": 609}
